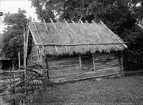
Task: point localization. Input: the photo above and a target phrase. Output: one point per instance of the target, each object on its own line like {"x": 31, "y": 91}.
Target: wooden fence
{"x": 17, "y": 85}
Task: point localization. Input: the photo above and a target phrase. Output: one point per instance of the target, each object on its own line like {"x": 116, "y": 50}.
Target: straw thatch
{"x": 68, "y": 38}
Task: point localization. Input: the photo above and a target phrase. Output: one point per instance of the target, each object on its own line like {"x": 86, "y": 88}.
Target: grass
{"x": 117, "y": 91}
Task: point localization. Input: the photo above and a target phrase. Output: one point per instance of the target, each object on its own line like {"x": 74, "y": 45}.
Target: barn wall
{"x": 33, "y": 56}
{"x": 106, "y": 61}
{"x": 63, "y": 69}
{"x": 63, "y": 66}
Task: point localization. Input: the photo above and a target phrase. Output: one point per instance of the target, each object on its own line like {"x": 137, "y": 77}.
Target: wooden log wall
{"x": 99, "y": 61}
{"x": 87, "y": 63}
{"x": 106, "y": 61}
{"x": 79, "y": 66}
{"x": 63, "y": 66}
{"x": 33, "y": 57}
{"x": 63, "y": 69}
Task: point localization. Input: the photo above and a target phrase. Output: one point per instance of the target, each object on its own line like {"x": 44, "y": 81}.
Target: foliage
{"x": 0, "y": 41}
{"x": 41, "y": 11}
{"x": 12, "y": 38}
{"x": 121, "y": 16}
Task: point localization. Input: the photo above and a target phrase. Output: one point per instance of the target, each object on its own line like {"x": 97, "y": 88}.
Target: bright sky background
{"x": 12, "y": 7}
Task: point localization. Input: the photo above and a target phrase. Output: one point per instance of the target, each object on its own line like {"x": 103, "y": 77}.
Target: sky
{"x": 12, "y": 7}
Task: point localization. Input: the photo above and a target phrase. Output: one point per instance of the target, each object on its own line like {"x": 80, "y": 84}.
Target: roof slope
{"x": 68, "y": 38}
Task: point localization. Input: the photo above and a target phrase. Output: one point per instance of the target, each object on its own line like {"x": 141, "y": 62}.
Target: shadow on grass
{"x": 132, "y": 69}
{"x": 134, "y": 73}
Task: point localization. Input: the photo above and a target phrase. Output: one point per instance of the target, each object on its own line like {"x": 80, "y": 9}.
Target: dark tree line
{"x": 12, "y": 37}
{"x": 121, "y": 16}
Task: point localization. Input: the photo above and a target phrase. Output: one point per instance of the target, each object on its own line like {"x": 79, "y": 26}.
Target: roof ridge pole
{"x": 40, "y": 39}
{"x": 74, "y": 23}
{"x": 53, "y": 23}
{"x": 60, "y": 24}
{"x": 113, "y": 33}
{"x": 32, "y": 35}
{"x": 84, "y": 26}
{"x": 68, "y": 35}
{"x": 57, "y": 32}
{"x": 38, "y": 33}
{"x": 99, "y": 35}
{"x": 45, "y": 25}
{"x": 76, "y": 26}
{"x": 70, "y": 27}
{"x": 81, "y": 21}
{"x": 71, "y": 30}
{"x": 55, "y": 44}
{"x": 55, "y": 26}
{"x": 62, "y": 28}
{"x": 109, "y": 30}
{"x": 86, "y": 22}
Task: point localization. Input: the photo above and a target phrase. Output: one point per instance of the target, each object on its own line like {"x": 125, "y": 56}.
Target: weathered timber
{"x": 86, "y": 75}
{"x": 79, "y": 44}
{"x": 87, "y": 63}
{"x": 59, "y": 66}
{"x": 80, "y": 63}
{"x": 93, "y": 61}
{"x": 33, "y": 55}
{"x": 71, "y": 50}
{"x": 69, "y": 67}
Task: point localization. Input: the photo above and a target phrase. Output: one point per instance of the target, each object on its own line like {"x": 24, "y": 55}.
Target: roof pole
{"x": 25, "y": 76}
{"x": 70, "y": 27}
{"x": 45, "y": 25}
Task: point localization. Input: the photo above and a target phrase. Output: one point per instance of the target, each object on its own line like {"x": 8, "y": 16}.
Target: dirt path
{"x": 121, "y": 91}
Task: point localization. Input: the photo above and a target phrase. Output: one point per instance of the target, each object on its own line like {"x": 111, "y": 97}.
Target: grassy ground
{"x": 120, "y": 91}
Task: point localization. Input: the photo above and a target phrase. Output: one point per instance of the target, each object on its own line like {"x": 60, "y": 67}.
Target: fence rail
{"x": 16, "y": 82}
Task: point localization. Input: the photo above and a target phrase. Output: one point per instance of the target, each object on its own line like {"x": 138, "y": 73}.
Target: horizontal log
{"x": 64, "y": 67}
{"x": 15, "y": 71}
{"x": 66, "y": 74}
{"x": 67, "y": 66}
{"x": 59, "y": 64}
{"x": 56, "y": 73}
{"x": 62, "y": 59}
{"x": 85, "y": 75}
{"x": 78, "y": 44}
{"x": 63, "y": 64}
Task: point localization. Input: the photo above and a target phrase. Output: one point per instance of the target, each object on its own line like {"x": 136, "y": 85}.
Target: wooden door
{"x": 87, "y": 64}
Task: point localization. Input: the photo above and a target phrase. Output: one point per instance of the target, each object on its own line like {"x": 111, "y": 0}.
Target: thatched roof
{"x": 68, "y": 38}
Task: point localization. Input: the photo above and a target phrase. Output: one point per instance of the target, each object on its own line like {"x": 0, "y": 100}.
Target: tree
{"x": 42, "y": 11}
{"x": 1, "y": 13}
{"x": 121, "y": 16}
{"x": 12, "y": 38}
{"x": 87, "y": 9}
